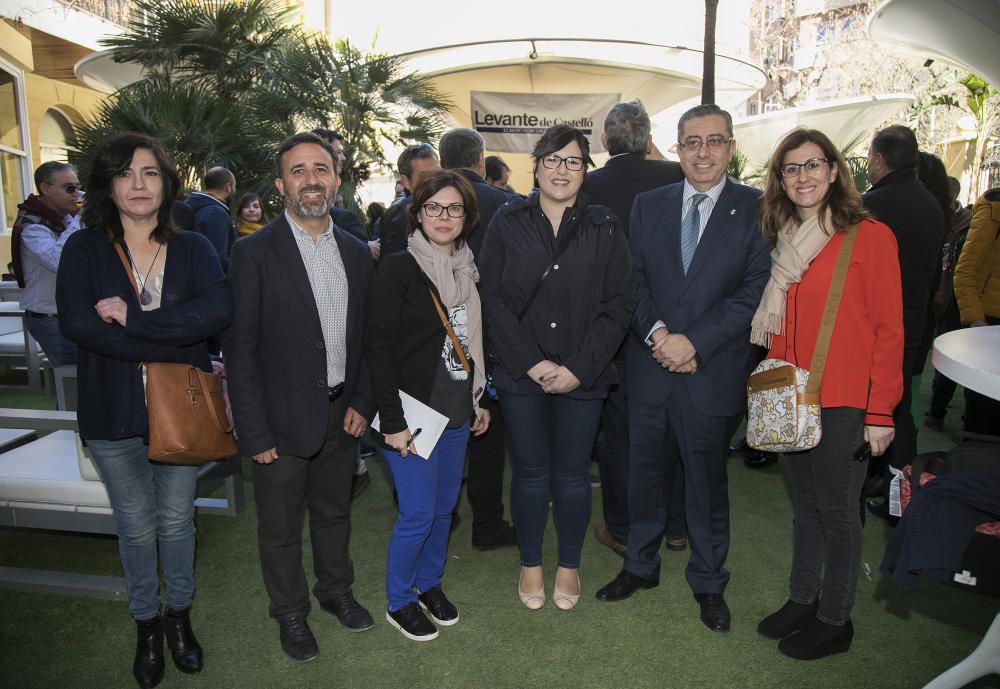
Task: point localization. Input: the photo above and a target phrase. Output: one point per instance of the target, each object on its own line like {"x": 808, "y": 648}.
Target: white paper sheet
{"x": 418, "y": 415}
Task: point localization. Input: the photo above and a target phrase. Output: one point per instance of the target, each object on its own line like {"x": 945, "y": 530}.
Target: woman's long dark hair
{"x": 100, "y": 214}
{"x": 776, "y": 210}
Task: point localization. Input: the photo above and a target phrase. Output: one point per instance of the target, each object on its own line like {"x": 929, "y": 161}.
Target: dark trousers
{"x": 904, "y": 445}
{"x": 612, "y": 447}
{"x": 283, "y": 489}
{"x": 551, "y": 437}
{"x": 942, "y": 387}
{"x": 827, "y": 534}
{"x": 703, "y": 444}
{"x": 487, "y": 454}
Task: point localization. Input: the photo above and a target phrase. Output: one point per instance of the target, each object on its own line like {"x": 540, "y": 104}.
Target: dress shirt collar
{"x": 713, "y": 194}
{"x": 298, "y": 232}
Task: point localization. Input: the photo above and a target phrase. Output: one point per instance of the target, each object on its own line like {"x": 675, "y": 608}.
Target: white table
{"x": 971, "y": 357}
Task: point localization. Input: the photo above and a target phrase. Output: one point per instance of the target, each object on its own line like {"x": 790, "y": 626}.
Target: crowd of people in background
{"x": 620, "y": 308}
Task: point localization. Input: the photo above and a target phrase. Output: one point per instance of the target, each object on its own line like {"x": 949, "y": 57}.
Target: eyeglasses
{"x": 695, "y": 144}
{"x": 572, "y": 163}
{"x": 72, "y": 188}
{"x": 434, "y": 210}
{"x": 813, "y": 167}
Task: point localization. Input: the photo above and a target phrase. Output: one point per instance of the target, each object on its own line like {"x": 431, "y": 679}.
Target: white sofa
{"x": 52, "y": 483}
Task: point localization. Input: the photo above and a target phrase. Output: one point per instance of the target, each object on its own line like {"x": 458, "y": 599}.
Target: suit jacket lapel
{"x": 290, "y": 257}
{"x": 714, "y": 236}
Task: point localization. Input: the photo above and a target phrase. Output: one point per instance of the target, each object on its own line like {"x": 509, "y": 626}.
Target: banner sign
{"x": 512, "y": 122}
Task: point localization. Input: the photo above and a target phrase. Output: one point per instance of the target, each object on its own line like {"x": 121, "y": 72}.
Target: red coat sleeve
{"x": 884, "y": 298}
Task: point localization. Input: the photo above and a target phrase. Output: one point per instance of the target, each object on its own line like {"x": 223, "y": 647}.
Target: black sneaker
{"x": 412, "y": 623}
{"x": 297, "y": 640}
{"x": 439, "y": 607}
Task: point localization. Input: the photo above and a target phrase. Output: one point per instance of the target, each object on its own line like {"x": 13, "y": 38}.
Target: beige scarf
{"x": 796, "y": 247}
{"x": 455, "y": 277}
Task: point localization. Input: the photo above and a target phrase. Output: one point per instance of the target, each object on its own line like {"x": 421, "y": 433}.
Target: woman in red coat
{"x": 809, "y": 201}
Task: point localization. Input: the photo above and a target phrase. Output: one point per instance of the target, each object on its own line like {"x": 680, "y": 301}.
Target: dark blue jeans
{"x": 550, "y": 438}
{"x": 59, "y": 350}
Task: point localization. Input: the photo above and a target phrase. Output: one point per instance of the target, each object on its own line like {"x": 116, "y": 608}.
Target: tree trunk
{"x": 708, "y": 66}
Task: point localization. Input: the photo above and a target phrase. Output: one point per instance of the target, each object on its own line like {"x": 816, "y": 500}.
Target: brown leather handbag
{"x": 189, "y": 417}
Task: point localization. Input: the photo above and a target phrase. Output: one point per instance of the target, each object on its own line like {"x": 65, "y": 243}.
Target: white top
{"x": 971, "y": 357}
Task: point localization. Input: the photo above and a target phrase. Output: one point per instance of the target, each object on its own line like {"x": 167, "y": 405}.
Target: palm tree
{"x": 230, "y": 79}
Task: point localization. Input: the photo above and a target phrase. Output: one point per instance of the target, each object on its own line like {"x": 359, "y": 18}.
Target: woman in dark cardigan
{"x": 410, "y": 350}
{"x": 184, "y": 299}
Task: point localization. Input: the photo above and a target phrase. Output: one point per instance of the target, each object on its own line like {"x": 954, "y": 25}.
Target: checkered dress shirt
{"x": 328, "y": 280}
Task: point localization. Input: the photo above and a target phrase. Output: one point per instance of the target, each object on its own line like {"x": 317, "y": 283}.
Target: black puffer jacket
{"x": 581, "y": 313}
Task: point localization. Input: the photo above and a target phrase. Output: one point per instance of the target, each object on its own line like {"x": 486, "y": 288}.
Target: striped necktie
{"x": 689, "y": 231}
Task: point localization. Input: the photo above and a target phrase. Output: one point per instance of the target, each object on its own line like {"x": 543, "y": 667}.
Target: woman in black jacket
{"x": 183, "y": 300}
{"x": 412, "y": 351}
{"x": 556, "y": 282}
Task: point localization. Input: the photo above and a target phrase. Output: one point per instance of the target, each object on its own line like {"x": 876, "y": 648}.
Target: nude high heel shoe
{"x": 566, "y": 601}
{"x": 531, "y": 600}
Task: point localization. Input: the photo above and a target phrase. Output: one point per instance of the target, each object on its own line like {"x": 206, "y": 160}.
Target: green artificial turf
{"x": 902, "y": 638}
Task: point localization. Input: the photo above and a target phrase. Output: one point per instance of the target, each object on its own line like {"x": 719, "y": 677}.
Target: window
{"x": 774, "y": 11}
{"x": 826, "y": 31}
{"x": 14, "y": 164}
{"x": 56, "y": 137}
{"x": 771, "y": 103}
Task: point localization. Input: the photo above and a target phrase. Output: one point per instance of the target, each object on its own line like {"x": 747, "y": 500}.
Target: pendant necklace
{"x": 145, "y": 298}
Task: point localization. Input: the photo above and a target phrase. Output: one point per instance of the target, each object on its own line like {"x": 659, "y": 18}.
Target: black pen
{"x": 415, "y": 434}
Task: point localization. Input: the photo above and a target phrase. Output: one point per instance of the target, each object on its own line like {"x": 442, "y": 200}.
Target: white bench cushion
{"x": 47, "y": 471}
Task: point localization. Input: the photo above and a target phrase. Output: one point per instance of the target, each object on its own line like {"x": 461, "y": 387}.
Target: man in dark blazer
{"x": 463, "y": 150}
{"x": 700, "y": 268}
{"x": 901, "y": 201}
{"x": 626, "y": 174}
{"x": 300, "y": 389}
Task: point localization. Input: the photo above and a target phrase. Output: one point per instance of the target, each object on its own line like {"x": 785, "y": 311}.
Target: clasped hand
{"x": 112, "y": 309}
{"x": 553, "y": 378}
{"x": 673, "y": 351}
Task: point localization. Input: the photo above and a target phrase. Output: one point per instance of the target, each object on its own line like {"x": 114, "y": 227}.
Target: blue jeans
{"x": 59, "y": 350}
{"x": 428, "y": 490}
{"x": 550, "y": 439}
{"x": 153, "y": 505}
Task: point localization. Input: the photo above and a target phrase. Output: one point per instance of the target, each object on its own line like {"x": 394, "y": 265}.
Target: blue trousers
{"x": 153, "y": 505}
{"x": 428, "y": 490}
{"x": 550, "y": 439}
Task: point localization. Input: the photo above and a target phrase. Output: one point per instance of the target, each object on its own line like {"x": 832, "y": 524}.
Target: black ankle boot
{"x": 817, "y": 639}
{"x": 184, "y": 648}
{"x": 148, "y": 665}
{"x": 786, "y": 621}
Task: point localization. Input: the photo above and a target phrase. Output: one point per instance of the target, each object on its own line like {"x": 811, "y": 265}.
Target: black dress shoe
{"x": 345, "y": 608}
{"x": 297, "y": 640}
{"x": 184, "y": 648}
{"x": 147, "y": 668}
{"x": 758, "y": 459}
{"x": 504, "y": 536}
{"x": 817, "y": 639}
{"x": 677, "y": 545}
{"x": 624, "y": 585}
{"x": 788, "y": 620}
{"x": 714, "y": 611}
{"x": 881, "y": 510}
